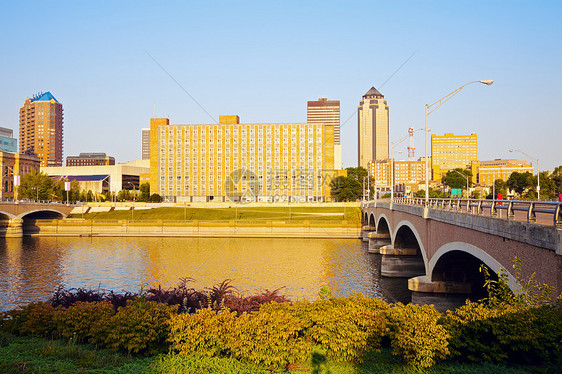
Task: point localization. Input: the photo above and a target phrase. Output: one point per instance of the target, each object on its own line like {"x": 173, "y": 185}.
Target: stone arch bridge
{"x": 441, "y": 246}
{"x": 14, "y": 217}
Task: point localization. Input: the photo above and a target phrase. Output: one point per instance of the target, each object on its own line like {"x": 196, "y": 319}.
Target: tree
{"x": 432, "y": 193}
{"x": 357, "y": 173}
{"x": 454, "y": 179}
{"x": 144, "y": 192}
{"x": 345, "y": 188}
{"x": 500, "y": 188}
{"x": 556, "y": 177}
{"x": 35, "y": 185}
{"x": 155, "y": 198}
{"x": 548, "y": 185}
{"x": 519, "y": 182}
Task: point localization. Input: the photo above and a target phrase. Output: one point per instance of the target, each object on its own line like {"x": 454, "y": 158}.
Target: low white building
{"x": 103, "y": 178}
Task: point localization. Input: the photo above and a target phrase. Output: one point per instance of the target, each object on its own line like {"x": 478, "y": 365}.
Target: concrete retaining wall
{"x": 192, "y": 229}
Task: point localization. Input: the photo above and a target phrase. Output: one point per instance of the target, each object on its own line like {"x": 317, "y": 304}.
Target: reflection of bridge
{"x": 440, "y": 247}
{"x": 14, "y": 217}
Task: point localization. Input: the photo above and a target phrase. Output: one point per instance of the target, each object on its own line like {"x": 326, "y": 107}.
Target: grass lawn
{"x": 278, "y": 213}
{"x": 35, "y": 355}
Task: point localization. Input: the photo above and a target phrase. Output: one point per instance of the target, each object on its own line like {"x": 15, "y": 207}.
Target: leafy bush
{"x": 34, "y": 319}
{"x": 140, "y": 326}
{"x": 85, "y": 321}
{"x": 345, "y": 328}
{"x": 505, "y": 333}
{"x": 416, "y": 334}
{"x": 269, "y": 337}
{"x": 206, "y": 333}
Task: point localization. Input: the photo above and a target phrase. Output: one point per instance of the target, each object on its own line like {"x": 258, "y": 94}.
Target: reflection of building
{"x": 372, "y": 115}
{"x": 14, "y": 166}
{"x": 90, "y": 159}
{"x": 327, "y": 112}
{"x": 233, "y": 161}
{"x": 146, "y": 144}
{"x": 102, "y": 178}
{"x": 7, "y": 141}
{"x": 452, "y": 151}
{"x": 488, "y": 171}
{"x": 41, "y": 129}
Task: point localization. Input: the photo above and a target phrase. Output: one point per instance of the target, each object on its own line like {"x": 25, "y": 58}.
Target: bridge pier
{"x": 15, "y": 228}
{"x": 401, "y": 262}
{"x": 365, "y": 231}
{"x": 378, "y": 240}
{"x": 442, "y": 294}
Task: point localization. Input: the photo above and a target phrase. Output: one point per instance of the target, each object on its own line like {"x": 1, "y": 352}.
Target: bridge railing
{"x": 28, "y": 201}
{"x": 514, "y": 209}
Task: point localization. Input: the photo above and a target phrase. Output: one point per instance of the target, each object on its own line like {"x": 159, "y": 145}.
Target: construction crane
{"x": 411, "y": 148}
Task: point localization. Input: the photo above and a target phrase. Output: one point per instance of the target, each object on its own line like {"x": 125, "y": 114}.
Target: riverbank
{"x": 329, "y": 229}
{"x": 37, "y": 355}
{"x": 332, "y": 212}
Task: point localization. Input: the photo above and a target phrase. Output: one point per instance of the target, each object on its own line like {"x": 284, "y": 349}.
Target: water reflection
{"x": 34, "y": 267}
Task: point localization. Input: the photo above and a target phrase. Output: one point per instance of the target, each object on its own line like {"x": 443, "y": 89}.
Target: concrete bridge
{"x": 15, "y": 217}
{"x": 439, "y": 247}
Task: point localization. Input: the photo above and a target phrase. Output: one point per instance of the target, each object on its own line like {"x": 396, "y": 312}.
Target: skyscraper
{"x": 145, "y": 144}
{"x": 372, "y": 118}
{"x": 41, "y": 128}
{"x": 327, "y": 112}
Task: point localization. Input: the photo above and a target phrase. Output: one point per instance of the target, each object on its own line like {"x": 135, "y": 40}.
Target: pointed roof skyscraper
{"x": 373, "y": 93}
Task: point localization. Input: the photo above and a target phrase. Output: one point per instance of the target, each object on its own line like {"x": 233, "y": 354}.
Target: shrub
{"x": 140, "y": 326}
{"x": 344, "y": 327}
{"x": 270, "y": 338}
{"x": 206, "y": 333}
{"x": 416, "y": 335}
{"x": 505, "y": 333}
{"x": 85, "y": 321}
{"x": 35, "y": 319}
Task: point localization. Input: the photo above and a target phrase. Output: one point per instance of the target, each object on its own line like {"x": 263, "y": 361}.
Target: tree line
{"x": 350, "y": 187}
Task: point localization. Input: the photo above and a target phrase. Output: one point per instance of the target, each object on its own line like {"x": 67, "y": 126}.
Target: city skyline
{"x": 102, "y": 68}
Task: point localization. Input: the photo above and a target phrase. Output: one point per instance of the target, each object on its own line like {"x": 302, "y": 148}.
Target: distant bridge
{"x": 15, "y": 216}
{"x": 441, "y": 246}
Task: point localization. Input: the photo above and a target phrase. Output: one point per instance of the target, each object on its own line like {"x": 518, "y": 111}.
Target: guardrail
{"x": 489, "y": 207}
{"x": 26, "y": 201}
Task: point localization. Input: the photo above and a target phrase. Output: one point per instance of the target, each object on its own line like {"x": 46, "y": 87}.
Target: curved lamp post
{"x": 538, "y": 171}
{"x": 428, "y": 111}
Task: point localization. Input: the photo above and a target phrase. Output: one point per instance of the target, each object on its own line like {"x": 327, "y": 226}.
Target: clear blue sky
{"x": 263, "y": 60}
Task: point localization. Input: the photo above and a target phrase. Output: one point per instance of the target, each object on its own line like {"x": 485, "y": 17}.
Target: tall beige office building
{"x": 372, "y": 116}
{"x": 327, "y": 112}
{"x": 452, "y": 151}
{"x": 41, "y": 129}
{"x": 231, "y": 161}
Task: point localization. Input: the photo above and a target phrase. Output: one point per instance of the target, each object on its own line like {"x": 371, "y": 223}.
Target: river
{"x": 32, "y": 268}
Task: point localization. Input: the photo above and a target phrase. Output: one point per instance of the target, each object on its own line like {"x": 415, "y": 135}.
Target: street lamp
{"x": 538, "y": 171}
{"x": 440, "y": 102}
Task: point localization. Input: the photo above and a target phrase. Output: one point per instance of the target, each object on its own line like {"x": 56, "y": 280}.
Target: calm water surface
{"x": 32, "y": 268}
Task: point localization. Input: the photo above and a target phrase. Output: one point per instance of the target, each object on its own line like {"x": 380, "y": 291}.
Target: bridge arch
{"x": 6, "y": 216}
{"x": 382, "y": 225}
{"x": 372, "y": 221}
{"x": 41, "y": 214}
{"x": 453, "y": 256}
{"x": 406, "y": 236}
